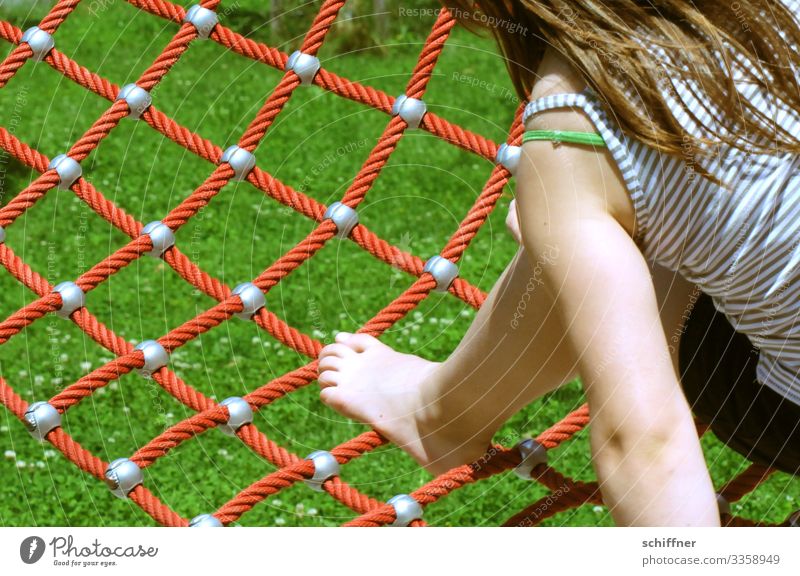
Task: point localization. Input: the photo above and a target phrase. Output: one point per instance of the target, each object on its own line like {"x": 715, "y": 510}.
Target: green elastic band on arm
{"x": 589, "y": 138}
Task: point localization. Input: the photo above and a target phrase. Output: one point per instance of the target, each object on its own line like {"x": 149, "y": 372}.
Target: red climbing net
{"x": 290, "y": 467}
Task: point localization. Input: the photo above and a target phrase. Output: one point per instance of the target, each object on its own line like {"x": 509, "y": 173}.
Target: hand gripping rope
{"x": 323, "y": 470}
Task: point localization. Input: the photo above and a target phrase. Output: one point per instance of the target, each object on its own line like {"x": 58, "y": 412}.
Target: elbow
{"x": 637, "y": 437}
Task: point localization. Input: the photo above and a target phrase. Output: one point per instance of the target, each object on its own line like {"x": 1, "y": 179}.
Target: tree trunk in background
{"x": 382, "y": 18}
{"x": 274, "y": 16}
{"x": 346, "y": 15}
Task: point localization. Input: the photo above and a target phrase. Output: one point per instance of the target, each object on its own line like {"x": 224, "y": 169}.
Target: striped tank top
{"x": 739, "y": 245}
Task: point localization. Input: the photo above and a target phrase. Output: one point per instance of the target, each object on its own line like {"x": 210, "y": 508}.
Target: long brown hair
{"x": 607, "y": 42}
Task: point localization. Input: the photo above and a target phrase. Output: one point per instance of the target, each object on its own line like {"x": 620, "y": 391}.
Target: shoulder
{"x": 556, "y": 75}
{"x": 570, "y": 173}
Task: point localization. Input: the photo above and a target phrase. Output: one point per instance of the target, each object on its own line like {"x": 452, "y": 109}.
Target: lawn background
{"x": 316, "y": 145}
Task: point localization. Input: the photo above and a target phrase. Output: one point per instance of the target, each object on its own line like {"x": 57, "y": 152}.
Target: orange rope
{"x": 209, "y": 414}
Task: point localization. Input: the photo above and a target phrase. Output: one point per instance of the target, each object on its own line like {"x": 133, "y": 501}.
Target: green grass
{"x": 417, "y": 203}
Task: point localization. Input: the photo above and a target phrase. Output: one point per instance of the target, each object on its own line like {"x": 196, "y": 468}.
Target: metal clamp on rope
{"x": 72, "y": 298}
{"x": 326, "y": 466}
{"x": 240, "y": 160}
{"x": 442, "y": 270}
{"x": 155, "y": 357}
{"x": 304, "y": 65}
{"x": 409, "y": 109}
{"x": 508, "y": 156}
{"x": 161, "y": 236}
{"x": 68, "y": 170}
{"x": 122, "y": 476}
{"x": 40, "y": 42}
{"x": 239, "y": 414}
{"x": 343, "y": 216}
{"x": 202, "y": 19}
{"x": 40, "y": 419}
{"x": 205, "y": 521}
{"x": 252, "y": 298}
{"x": 138, "y": 100}
{"x": 532, "y": 454}
{"x": 406, "y": 509}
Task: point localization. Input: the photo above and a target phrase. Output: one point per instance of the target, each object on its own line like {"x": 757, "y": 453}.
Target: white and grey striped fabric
{"x": 740, "y": 245}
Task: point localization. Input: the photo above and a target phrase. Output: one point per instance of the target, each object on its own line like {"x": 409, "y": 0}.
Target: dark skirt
{"x": 718, "y": 368}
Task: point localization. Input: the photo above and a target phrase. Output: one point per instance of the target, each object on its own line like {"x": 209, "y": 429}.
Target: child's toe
{"x": 361, "y": 342}
{"x": 336, "y": 351}
{"x": 329, "y": 378}
{"x": 330, "y": 363}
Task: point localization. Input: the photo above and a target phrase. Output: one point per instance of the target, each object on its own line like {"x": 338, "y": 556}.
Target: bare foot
{"x": 395, "y": 394}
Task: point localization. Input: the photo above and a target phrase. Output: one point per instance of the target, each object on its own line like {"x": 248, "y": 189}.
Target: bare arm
{"x": 645, "y": 448}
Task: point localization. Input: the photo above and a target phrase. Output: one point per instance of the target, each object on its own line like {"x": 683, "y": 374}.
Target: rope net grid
{"x": 319, "y": 470}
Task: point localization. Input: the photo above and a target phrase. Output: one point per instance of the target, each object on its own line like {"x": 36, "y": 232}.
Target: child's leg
{"x": 446, "y": 414}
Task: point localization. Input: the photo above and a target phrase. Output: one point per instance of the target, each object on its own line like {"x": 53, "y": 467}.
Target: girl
{"x": 660, "y": 160}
